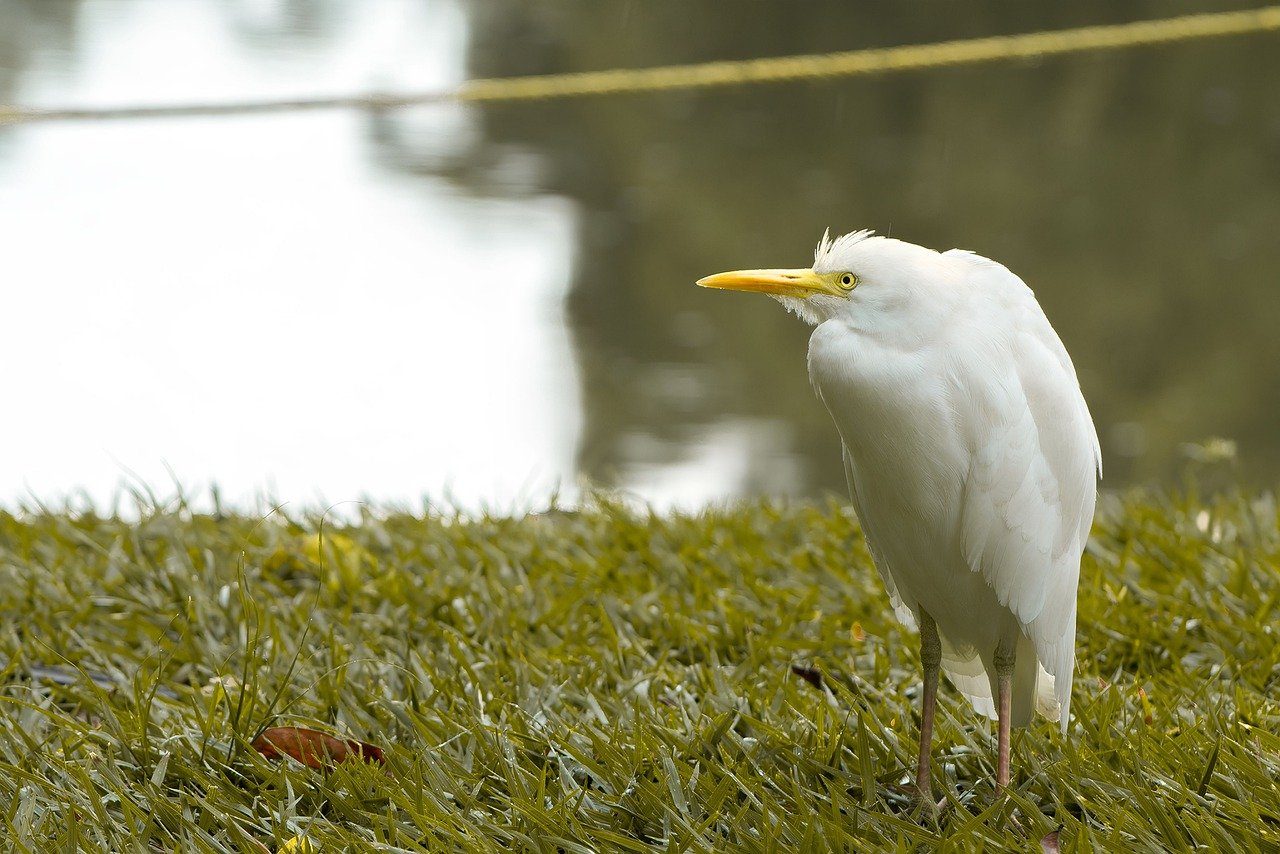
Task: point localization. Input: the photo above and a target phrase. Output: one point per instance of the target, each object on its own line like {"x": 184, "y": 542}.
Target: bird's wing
{"x": 1028, "y": 503}
{"x": 904, "y": 613}
{"x": 1030, "y": 490}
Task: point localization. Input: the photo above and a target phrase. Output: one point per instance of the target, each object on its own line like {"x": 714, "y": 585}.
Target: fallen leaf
{"x": 809, "y": 674}
{"x": 313, "y": 748}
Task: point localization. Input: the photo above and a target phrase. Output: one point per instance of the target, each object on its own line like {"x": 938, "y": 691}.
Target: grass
{"x": 609, "y": 680}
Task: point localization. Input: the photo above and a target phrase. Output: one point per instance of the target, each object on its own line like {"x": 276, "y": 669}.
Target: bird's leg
{"x": 1004, "y": 659}
{"x": 931, "y": 658}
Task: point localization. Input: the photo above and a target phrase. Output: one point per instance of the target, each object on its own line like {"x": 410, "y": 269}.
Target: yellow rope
{"x": 711, "y": 74}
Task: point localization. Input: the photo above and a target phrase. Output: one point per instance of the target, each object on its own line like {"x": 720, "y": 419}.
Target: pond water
{"x": 483, "y": 305}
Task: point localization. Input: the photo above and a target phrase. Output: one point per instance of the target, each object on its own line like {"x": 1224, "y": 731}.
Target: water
{"x": 487, "y": 304}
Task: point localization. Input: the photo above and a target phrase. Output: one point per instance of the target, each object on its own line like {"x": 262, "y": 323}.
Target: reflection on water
{"x": 490, "y": 301}
{"x": 258, "y": 302}
{"x": 1137, "y": 192}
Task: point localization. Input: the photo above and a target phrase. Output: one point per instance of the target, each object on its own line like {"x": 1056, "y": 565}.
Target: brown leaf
{"x": 1049, "y": 842}
{"x": 812, "y": 675}
{"x": 313, "y": 748}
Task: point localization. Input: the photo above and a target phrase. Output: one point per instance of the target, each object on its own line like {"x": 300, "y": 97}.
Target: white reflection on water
{"x": 743, "y": 456}
{"x": 252, "y": 301}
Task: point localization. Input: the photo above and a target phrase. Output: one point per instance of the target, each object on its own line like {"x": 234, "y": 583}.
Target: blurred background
{"x": 485, "y": 305}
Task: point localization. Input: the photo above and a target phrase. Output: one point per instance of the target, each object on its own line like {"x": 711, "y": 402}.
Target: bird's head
{"x": 856, "y": 269}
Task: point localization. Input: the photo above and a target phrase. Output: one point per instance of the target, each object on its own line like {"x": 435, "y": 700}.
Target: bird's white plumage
{"x": 970, "y": 454}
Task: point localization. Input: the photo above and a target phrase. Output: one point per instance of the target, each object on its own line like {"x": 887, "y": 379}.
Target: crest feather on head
{"x": 827, "y": 245}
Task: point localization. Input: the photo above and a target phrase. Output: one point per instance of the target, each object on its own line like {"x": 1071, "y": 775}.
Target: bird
{"x": 971, "y": 458}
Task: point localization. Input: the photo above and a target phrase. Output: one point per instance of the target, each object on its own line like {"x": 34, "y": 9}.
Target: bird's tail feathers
{"x": 1033, "y": 686}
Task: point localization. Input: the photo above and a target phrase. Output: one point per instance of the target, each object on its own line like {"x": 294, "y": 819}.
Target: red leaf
{"x": 313, "y": 748}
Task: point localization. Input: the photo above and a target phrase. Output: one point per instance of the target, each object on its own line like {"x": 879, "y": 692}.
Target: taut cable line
{"x": 715, "y": 74}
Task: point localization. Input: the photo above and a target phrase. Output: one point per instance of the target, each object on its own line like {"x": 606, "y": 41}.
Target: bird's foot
{"x": 910, "y": 797}
{"x": 925, "y": 804}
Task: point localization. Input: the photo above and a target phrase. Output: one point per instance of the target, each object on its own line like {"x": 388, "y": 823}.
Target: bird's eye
{"x": 848, "y": 280}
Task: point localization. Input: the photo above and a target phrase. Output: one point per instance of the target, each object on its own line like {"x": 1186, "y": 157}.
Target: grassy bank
{"x": 608, "y": 680}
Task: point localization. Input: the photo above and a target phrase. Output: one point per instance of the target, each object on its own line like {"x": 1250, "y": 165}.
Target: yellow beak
{"x": 788, "y": 283}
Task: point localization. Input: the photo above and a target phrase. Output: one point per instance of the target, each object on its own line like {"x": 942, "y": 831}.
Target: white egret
{"x": 970, "y": 456}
